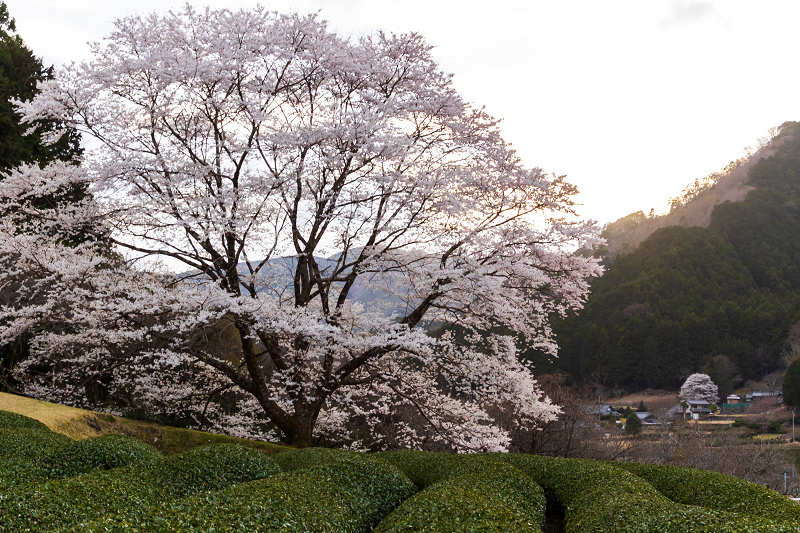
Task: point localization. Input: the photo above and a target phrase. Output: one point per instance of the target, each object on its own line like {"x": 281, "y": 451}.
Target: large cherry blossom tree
{"x": 325, "y": 201}
{"x": 700, "y": 387}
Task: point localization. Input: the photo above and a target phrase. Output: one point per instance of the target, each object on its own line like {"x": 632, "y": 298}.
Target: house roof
{"x": 648, "y": 418}
{"x": 597, "y": 409}
{"x": 697, "y": 403}
{"x": 762, "y": 394}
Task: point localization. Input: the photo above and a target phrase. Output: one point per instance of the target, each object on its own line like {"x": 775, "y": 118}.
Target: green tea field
{"x": 116, "y": 483}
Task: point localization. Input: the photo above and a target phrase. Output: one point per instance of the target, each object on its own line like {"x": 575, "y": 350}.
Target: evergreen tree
{"x": 633, "y": 425}
{"x": 791, "y": 385}
{"x": 20, "y": 72}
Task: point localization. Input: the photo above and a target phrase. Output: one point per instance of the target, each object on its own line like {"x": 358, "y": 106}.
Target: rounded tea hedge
{"x": 51, "y": 483}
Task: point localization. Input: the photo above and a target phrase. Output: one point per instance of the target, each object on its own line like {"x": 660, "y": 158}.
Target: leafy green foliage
{"x": 30, "y": 442}
{"x": 66, "y": 502}
{"x": 496, "y": 501}
{"x": 598, "y": 497}
{"x": 344, "y": 495}
{"x": 229, "y": 488}
{"x": 428, "y": 468}
{"x": 20, "y": 470}
{"x": 791, "y": 385}
{"x": 72, "y": 458}
{"x": 20, "y": 71}
{"x": 633, "y": 425}
{"x": 715, "y": 491}
{"x": 688, "y": 294}
{"x": 100, "y": 453}
{"x": 308, "y": 457}
{"x": 211, "y": 468}
{"x": 464, "y": 493}
{"x": 14, "y": 420}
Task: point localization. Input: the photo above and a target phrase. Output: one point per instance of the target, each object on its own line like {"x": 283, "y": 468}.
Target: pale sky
{"x": 631, "y": 99}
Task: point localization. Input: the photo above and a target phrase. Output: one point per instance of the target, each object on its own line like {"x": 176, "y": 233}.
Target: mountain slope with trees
{"x": 718, "y": 299}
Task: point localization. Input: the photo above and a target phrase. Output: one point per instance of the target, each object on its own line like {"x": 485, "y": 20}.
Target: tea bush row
{"x": 60, "y": 503}
{"x": 30, "y": 452}
{"x": 598, "y": 497}
{"x": 714, "y": 490}
{"x": 20, "y": 470}
{"x": 33, "y": 443}
{"x": 336, "y": 490}
{"x": 336, "y": 495}
{"x": 15, "y": 420}
{"x": 464, "y": 493}
{"x": 308, "y": 457}
{"x": 99, "y": 453}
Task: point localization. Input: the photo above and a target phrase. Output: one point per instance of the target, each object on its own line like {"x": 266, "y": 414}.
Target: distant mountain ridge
{"x": 277, "y": 277}
{"x": 624, "y": 235}
{"x": 713, "y": 286}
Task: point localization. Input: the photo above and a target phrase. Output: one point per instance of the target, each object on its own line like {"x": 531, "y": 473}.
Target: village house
{"x": 696, "y": 409}
{"x": 754, "y": 396}
{"x": 648, "y": 419}
{"x": 601, "y": 409}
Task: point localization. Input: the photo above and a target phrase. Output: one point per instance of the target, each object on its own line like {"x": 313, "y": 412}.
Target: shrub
{"x": 343, "y": 495}
{"x": 213, "y": 467}
{"x": 14, "y": 420}
{"x": 465, "y": 493}
{"x": 427, "y": 468}
{"x": 99, "y": 453}
{"x": 30, "y": 442}
{"x": 633, "y": 424}
{"x": 65, "y": 502}
{"x": 307, "y": 457}
{"x": 48, "y": 506}
{"x": 20, "y": 470}
{"x": 598, "y": 497}
{"x": 713, "y": 490}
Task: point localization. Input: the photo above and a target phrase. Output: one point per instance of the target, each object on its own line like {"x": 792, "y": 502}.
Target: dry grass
{"x": 60, "y": 418}
{"x": 82, "y": 424}
{"x": 654, "y": 401}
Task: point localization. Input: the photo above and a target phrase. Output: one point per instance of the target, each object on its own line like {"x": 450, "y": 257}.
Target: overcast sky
{"x": 632, "y": 99}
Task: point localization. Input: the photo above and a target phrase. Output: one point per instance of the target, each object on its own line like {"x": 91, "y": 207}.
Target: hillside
{"x": 80, "y": 424}
{"x": 718, "y": 297}
{"x": 693, "y": 208}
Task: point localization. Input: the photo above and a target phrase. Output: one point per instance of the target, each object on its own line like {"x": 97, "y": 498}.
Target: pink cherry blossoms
{"x": 290, "y": 214}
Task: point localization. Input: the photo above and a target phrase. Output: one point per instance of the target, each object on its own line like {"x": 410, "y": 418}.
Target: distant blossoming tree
{"x": 326, "y": 200}
{"x": 700, "y": 387}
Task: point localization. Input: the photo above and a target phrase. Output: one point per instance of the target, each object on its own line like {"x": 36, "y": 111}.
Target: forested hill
{"x": 719, "y": 298}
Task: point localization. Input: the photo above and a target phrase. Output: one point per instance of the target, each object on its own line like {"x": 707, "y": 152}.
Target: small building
{"x": 696, "y": 409}
{"x": 648, "y": 419}
{"x": 775, "y": 395}
{"x": 733, "y": 399}
{"x": 598, "y": 409}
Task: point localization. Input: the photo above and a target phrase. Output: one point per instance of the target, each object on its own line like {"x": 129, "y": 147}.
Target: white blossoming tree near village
{"x": 700, "y": 387}
{"x": 286, "y": 169}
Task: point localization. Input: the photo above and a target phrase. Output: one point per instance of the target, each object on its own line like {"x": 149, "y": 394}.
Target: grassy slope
{"x": 81, "y": 424}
